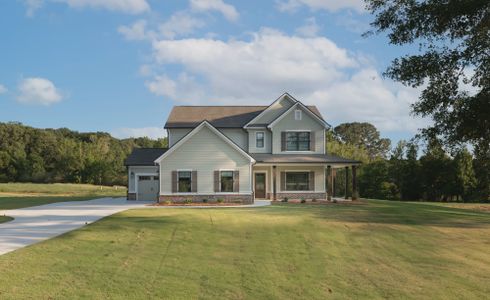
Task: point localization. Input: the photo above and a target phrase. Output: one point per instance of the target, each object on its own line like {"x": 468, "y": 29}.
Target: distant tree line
{"x": 61, "y": 155}
{"x": 405, "y": 173}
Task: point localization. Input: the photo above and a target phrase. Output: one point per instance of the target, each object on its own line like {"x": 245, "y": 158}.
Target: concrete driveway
{"x": 38, "y": 223}
{"x": 35, "y": 224}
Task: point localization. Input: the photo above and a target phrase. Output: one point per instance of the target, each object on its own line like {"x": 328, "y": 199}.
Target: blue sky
{"x": 120, "y": 65}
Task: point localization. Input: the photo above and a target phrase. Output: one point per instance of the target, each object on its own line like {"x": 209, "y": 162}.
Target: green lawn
{"x": 4, "y": 219}
{"x": 19, "y": 195}
{"x": 378, "y": 250}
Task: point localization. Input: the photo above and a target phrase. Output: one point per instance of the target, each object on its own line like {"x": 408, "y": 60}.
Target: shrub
{"x": 334, "y": 200}
{"x": 303, "y": 200}
{"x": 168, "y": 202}
{"x": 285, "y": 199}
{"x": 220, "y": 200}
{"x": 187, "y": 201}
{"x": 313, "y": 199}
{"x": 204, "y": 200}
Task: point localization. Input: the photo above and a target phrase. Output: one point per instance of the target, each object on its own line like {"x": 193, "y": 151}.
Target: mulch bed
{"x": 320, "y": 202}
{"x": 197, "y": 204}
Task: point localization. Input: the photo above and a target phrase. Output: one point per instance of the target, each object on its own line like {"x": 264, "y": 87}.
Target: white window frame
{"x": 298, "y": 115}
{"x": 263, "y": 137}
{"x": 184, "y": 170}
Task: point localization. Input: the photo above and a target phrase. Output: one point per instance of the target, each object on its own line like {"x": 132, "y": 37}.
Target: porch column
{"x": 274, "y": 180}
{"x": 346, "y": 182}
{"x": 334, "y": 175}
{"x": 355, "y": 194}
{"x": 329, "y": 183}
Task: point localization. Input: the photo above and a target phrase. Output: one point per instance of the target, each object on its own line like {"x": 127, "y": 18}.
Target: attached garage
{"x": 143, "y": 174}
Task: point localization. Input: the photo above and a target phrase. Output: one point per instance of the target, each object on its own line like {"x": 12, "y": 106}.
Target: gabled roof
{"x": 218, "y": 116}
{"x": 144, "y": 156}
{"x": 284, "y": 96}
{"x": 305, "y": 108}
{"x": 196, "y": 130}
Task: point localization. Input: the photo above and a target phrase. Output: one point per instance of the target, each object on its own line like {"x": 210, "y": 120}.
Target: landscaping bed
{"x": 197, "y": 204}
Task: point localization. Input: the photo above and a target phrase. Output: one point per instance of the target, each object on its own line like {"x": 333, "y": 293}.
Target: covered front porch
{"x": 300, "y": 176}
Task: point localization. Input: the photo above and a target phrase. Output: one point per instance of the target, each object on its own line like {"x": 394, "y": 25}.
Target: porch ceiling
{"x": 268, "y": 158}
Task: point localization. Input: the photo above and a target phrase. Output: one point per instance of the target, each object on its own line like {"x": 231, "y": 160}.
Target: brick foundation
{"x": 131, "y": 196}
{"x": 231, "y": 198}
{"x": 299, "y": 196}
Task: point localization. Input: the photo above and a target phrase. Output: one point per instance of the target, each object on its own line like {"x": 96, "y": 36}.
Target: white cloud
{"x": 151, "y": 132}
{"x": 310, "y": 29}
{"x": 329, "y": 5}
{"x": 228, "y": 11}
{"x": 3, "y": 89}
{"x": 345, "y": 86}
{"x": 125, "y": 6}
{"x": 135, "y": 31}
{"x": 179, "y": 24}
{"x": 37, "y": 90}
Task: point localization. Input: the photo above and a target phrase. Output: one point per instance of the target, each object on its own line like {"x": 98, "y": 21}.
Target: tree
{"x": 481, "y": 165}
{"x": 363, "y": 135}
{"x": 436, "y": 172}
{"x": 411, "y": 188}
{"x": 453, "y": 68}
{"x": 465, "y": 181}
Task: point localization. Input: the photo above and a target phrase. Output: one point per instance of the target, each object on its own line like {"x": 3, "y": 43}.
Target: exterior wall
{"x": 238, "y": 136}
{"x": 267, "y": 142}
{"x": 306, "y": 123}
{"x": 274, "y": 111}
{"x": 205, "y": 152}
{"x": 319, "y": 177}
{"x": 227, "y": 198}
{"x": 138, "y": 170}
{"x": 175, "y": 134}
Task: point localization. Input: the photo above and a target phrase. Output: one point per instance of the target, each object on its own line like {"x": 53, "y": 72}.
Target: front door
{"x": 260, "y": 185}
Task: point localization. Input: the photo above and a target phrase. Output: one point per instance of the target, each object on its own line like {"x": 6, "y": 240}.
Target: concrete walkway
{"x": 35, "y": 224}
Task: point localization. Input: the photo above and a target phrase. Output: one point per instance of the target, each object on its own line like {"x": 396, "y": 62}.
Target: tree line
{"x": 29, "y": 154}
{"x": 413, "y": 170}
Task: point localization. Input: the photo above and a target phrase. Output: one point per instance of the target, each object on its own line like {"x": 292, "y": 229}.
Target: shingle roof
{"x": 144, "y": 156}
{"x": 218, "y": 116}
{"x": 301, "y": 158}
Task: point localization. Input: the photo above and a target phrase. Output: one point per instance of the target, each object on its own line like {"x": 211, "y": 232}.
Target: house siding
{"x": 238, "y": 136}
{"x": 319, "y": 176}
{"x": 307, "y": 122}
{"x": 274, "y": 111}
{"x": 205, "y": 152}
{"x": 176, "y": 134}
{"x": 267, "y": 143}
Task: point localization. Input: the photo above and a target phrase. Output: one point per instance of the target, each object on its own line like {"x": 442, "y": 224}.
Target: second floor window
{"x": 259, "y": 139}
{"x": 298, "y": 141}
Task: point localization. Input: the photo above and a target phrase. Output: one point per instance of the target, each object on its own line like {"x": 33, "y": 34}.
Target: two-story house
{"x": 239, "y": 153}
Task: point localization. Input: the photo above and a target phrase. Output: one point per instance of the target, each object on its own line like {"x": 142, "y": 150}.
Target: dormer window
{"x": 297, "y": 115}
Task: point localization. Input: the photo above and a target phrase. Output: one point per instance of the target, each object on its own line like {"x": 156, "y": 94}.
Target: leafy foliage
{"x": 60, "y": 155}
{"x": 453, "y": 67}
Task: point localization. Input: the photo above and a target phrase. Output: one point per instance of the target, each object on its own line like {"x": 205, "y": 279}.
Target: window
{"x": 259, "y": 139}
{"x": 226, "y": 180}
{"x": 142, "y": 178}
{"x": 184, "y": 181}
{"x": 297, "y": 115}
{"x": 297, "y": 181}
{"x": 297, "y": 141}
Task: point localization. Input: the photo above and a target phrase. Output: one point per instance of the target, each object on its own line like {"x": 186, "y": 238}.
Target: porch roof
{"x": 302, "y": 158}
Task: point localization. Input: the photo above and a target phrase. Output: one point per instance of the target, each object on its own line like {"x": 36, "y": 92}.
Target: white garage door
{"x": 148, "y": 188}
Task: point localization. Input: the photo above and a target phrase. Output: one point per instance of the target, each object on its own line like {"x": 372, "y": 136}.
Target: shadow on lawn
{"x": 392, "y": 212}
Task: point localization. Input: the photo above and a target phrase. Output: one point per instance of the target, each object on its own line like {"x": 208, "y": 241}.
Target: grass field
{"x": 19, "y": 195}
{"x": 4, "y": 219}
{"x": 378, "y": 250}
